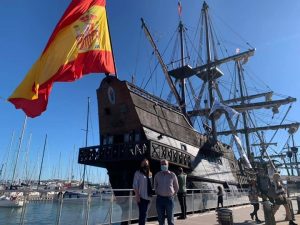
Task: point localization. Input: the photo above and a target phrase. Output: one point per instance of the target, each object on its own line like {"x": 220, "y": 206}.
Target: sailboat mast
{"x": 41, "y": 167}
{"x": 6, "y": 161}
{"x": 240, "y": 77}
{"x": 18, "y": 153}
{"x": 26, "y": 172}
{"x": 86, "y": 139}
{"x": 182, "y": 80}
{"x": 209, "y": 74}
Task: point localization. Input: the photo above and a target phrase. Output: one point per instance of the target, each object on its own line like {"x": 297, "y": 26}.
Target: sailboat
{"x": 13, "y": 201}
{"x": 201, "y": 130}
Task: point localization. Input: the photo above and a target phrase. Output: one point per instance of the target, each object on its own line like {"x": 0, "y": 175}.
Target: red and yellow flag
{"x": 79, "y": 45}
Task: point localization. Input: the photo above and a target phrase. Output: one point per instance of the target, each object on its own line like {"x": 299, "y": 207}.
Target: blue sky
{"x": 270, "y": 26}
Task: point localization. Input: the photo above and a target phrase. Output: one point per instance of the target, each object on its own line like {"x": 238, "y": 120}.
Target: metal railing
{"x": 107, "y": 207}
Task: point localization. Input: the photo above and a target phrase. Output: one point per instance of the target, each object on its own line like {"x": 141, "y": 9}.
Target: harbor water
{"x": 105, "y": 209}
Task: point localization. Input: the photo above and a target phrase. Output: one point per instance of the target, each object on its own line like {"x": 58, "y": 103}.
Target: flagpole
{"x": 18, "y": 153}
{"x": 112, "y": 50}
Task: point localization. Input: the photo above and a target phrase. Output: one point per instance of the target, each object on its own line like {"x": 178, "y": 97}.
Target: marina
{"x": 98, "y": 210}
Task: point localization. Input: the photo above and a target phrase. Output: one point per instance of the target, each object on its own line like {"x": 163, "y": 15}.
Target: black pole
{"x": 86, "y": 139}
{"x": 41, "y": 167}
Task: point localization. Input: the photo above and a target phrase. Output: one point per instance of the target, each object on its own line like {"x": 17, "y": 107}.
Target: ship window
{"x": 105, "y": 140}
{"x": 126, "y": 138}
{"x": 183, "y": 147}
{"x": 107, "y": 111}
{"x": 131, "y": 136}
{"x": 219, "y": 161}
{"x": 137, "y": 137}
{"x": 110, "y": 140}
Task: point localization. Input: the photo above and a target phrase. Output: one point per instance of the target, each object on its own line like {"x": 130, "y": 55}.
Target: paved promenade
{"x": 240, "y": 217}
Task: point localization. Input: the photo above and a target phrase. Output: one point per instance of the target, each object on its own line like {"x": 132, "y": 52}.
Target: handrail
{"x": 198, "y": 200}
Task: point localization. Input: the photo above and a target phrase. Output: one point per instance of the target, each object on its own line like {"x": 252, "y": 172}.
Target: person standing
{"x": 166, "y": 187}
{"x": 182, "y": 193}
{"x": 143, "y": 189}
{"x": 220, "y": 194}
{"x": 253, "y": 198}
{"x": 281, "y": 198}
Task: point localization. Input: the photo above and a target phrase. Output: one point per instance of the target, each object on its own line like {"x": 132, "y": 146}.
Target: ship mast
{"x": 209, "y": 74}
{"x": 182, "y": 80}
{"x": 244, "y": 115}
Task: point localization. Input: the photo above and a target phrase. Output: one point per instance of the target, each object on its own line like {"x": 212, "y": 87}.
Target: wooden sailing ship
{"x": 135, "y": 124}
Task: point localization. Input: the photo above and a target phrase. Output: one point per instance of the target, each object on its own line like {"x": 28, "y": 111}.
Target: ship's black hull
{"x": 135, "y": 125}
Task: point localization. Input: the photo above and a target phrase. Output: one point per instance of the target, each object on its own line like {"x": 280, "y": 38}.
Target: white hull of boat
{"x": 6, "y": 203}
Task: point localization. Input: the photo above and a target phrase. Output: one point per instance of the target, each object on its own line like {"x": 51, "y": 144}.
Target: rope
{"x": 231, "y": 29}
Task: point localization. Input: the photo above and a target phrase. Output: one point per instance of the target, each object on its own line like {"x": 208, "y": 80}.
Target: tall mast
{"x": 209, "y": 74}
{"x": 42, "y": 162}
{"x": 26, "y": 172}
{"x": 182, "y": 80}
{"x": 86, "y": 139}
{"x": 9, "y": 149}
{"x": 240, "y": 77}
{"x": 18, "y": 153}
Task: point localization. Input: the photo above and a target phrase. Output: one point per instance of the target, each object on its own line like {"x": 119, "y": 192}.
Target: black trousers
{"x": 182, "y": 202}
{"x": 143, "y": 208}
{"x": 220, "y": 201}
{"x": 255, "y": 209}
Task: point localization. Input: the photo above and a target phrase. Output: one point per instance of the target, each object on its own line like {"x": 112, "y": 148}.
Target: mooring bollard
{"x": 298, "y": 203}
{"x": 224, "y": 216}
{"x": 269, "y": 215}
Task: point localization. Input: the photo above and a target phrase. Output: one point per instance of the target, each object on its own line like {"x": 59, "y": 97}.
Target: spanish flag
{"x": 79, "y": 45}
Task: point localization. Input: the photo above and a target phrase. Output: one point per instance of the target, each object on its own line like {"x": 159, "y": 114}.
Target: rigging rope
{"x": 237, "y": 34}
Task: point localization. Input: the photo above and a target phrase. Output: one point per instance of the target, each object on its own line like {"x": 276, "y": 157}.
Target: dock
{"x": 241, "y": 216}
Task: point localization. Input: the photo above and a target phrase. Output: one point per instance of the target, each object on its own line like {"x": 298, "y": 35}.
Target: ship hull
{"x": 135, "y": 125}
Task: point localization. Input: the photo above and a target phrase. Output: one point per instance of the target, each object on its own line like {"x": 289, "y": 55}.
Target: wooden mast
{"x": 244, "y": 114}
{"x": 182, "y": 80}
{"x": 209, "y": 73}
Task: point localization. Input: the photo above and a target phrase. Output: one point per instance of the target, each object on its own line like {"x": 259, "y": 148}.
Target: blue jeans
{"x": 165, "y": 205}
{"x": 143, "y": 207}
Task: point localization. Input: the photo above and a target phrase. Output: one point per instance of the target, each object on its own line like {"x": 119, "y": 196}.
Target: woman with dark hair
{"x": 220, "y": 196}
{"x": 253, "y": 198}
{"x": 142, "y": 186}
